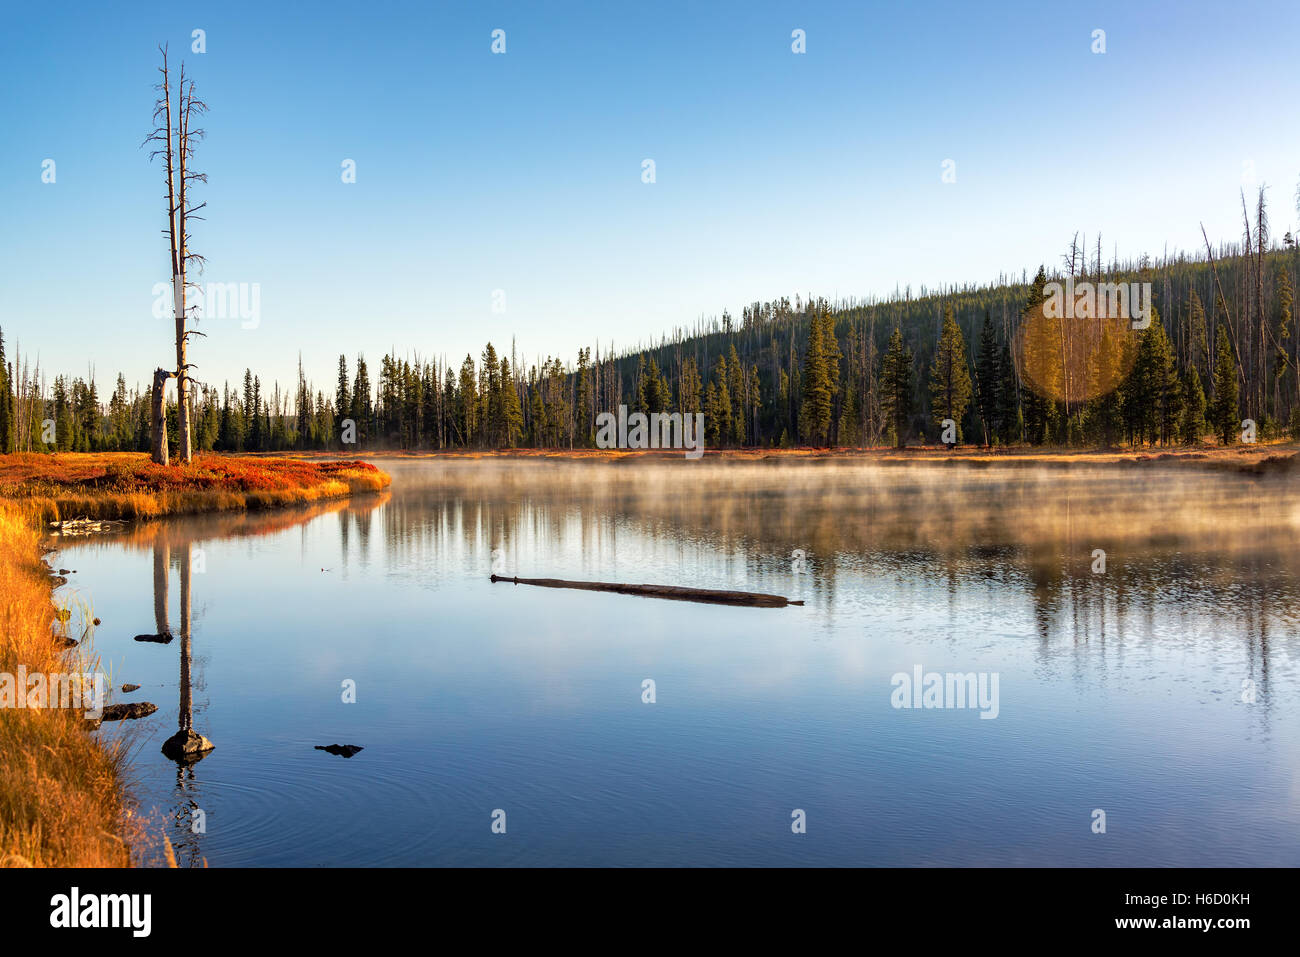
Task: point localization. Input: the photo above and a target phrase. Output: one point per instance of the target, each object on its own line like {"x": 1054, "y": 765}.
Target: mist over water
{"x": 1121, "y": 690}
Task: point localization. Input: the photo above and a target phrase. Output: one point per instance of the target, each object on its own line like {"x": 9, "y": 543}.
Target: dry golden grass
{"x": 61, "y": 800}
{"x": 126, "y": 485}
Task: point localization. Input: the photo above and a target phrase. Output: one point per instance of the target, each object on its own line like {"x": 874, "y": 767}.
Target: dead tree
{"x": 175, "y": 139}
{"x": 158, "y": 413}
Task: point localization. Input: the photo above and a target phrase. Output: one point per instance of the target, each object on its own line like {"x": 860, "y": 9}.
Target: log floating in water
{"x": 709, "y": 595}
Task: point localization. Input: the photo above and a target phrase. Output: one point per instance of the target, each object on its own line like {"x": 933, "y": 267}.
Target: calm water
{"x": 1121, "y": 691}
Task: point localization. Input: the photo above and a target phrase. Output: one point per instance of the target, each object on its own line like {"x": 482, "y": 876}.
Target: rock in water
{"x": 157, "y": 639}
{"x": 128, "y": 688}
{"x": 344, "y": 750}
{"x": 129, "y": 712}
{"x": 187, "y": 746}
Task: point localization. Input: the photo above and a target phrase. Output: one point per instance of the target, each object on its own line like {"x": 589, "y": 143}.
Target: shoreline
{"x": 64, "y": 793}
{"x": 1253, "y": 459}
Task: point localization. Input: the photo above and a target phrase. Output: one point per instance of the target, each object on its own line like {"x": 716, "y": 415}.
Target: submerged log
{"x": 709, "y": 595}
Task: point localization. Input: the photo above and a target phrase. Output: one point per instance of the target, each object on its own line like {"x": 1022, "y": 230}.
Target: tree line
{"x": 990, "y": 365}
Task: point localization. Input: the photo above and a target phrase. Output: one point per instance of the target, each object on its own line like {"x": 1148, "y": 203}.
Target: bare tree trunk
{"x": 162, "y": 135}
{"x": 183, "y": 444}
{"x": 1236, "y": 346}
{"x": 159, "y": 410}
{"x": 174, "y": 138}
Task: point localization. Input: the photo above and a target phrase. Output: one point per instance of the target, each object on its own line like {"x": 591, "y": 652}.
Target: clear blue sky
{"x": 777, "y": 173}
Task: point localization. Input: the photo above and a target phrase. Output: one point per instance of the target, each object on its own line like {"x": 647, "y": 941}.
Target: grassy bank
{"x": 61, "y": 799}
{"x": 126, "y": 485}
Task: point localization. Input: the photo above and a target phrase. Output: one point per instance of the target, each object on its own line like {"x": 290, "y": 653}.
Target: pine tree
{"x": 1223, "y": 408}
{"x": 641, "y": 401}
{"x": 950, "y": 383}
{"x": 1193, "y": 425}
{"x": 711, "y": 415}
{"x": 1285, "y": 302}
{"x": 342, "y": 393}
{"x": 1198, "y": 344}
{"x": 1010, "y": 420}
{"x": 986, "y": 380}
{"x": 831, "y": 353}
{"x": 88, "y": 417}
{"x": 815, "y": 412}
{"x": 512, "y": 415}
{"x": 689, "y": 388}
{"x": 302, "y": 408}
{"x": 258, "y": 433}
{"x": 363, "y": 406}
{"x": 64, "y": 422}
{"x": 896, "y": 387}
{"x": 654, "y": 389}
{"x": 720, "y": 410}
{"x": 494, "y": 405}
{"x": 466, "y": 419}
{"x": 586, "y": 412}
{"x": 1103, "y": 418}
{"x": 739, "y": 389}
{"x": 1042, "y": 365}
{"x": 1172, "y": 390}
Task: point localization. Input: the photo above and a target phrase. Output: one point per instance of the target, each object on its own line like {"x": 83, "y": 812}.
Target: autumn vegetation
{"x": 129, "y": 486}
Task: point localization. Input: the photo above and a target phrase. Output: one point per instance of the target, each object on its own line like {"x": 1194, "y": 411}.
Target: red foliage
{"x": 129, "y": 472}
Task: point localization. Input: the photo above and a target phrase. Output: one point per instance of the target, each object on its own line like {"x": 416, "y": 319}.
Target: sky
{"x": 501, "y": 196}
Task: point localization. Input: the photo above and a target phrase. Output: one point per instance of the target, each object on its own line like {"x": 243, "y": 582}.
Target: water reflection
{"x": 177, "y": 544}
{"x": 1114, "y": 553}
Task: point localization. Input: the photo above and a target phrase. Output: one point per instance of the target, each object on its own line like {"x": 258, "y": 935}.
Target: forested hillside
{"x": 1220, "y": 348}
